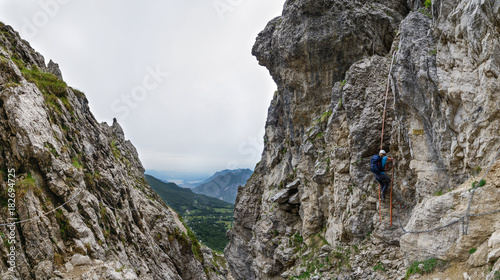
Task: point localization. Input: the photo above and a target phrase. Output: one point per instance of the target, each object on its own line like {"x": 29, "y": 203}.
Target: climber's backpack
{"x": 376, "y": 164}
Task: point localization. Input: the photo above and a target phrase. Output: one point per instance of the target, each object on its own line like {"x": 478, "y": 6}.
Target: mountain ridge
{"x": 207, "y": 216}
{"x": 224, "y": 184}
{"x": 96, "y": 217}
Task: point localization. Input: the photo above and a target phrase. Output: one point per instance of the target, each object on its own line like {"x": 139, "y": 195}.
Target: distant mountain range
{"x": 224, "y": 184}
{"x": 208, "y": 217}
{"x": 181, "y": 179}
{"x": 182, "y": 199}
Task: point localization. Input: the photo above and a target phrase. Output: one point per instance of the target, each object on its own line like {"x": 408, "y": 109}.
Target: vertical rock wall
{"x": 96, "y": 217}
{"x": 330, "y": 61}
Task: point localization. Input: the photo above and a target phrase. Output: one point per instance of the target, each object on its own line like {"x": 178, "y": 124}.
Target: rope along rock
{"x": 465, "y": 218}
{"x": 59, "y": 207}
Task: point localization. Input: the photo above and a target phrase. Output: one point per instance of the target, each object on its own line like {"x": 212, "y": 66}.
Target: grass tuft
{"x": 379, "y": 266}
{"x": 28, "y": 183}
{"x": 428, "y": 4}
{"x": 51, "y": 86}
{"x": 78, "y": 92}
{"x": 48, "y": 83}
{"x": 76, "y": 163}
{"x": 424, "y": 267}
{"x": 63, "y": 224}
{"x": 114, "y": 149}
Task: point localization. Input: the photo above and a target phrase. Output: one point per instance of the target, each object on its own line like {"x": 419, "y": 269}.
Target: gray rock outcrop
{"x": 331, "y": 61}
{"x": 86, "y": 208}
{"x": 53, "y": 68}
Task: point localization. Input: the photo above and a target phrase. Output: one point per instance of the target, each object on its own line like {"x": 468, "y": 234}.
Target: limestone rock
{"x": 44, "y": 270}
{"x": 494, "y": 241}
{"x": 479, "y": 258}
{"x": 79, "y": 260}
{"x": 331, "y": 61}
{"x": 80, "y": 187}
{"x": 317, "y": 129}
{"x": 53, "y": 68}
{"x": 494, "y": 272}
{"x": 493, "y": 255}
{"x": 69, "y": 266}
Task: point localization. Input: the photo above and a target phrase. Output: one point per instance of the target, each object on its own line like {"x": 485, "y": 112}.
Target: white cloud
{"x": 216, "y": 95}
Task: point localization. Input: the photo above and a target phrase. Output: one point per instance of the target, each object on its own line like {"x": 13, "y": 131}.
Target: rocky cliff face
{"x": 80, "y": 191}
{"x": 311, "y": 208}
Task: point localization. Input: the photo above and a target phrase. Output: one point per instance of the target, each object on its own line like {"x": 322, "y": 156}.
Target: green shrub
{"x": 63, "y": 224}
{"x": 426, "y": 10}
{"x": 481, "y": 184}
{"x": 378, "y": 266}
{"x": 428, "y": 267}
{"x": 472, "y": 251}
{"x": 298, "y": 239}
{"x": 76, "y": 163}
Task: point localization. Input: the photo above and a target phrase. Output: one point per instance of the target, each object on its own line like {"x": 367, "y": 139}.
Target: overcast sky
{"x": 178, "y": 75}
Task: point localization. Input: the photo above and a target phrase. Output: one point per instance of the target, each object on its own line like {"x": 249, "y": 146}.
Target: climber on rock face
{"x": 378, "y": 167}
